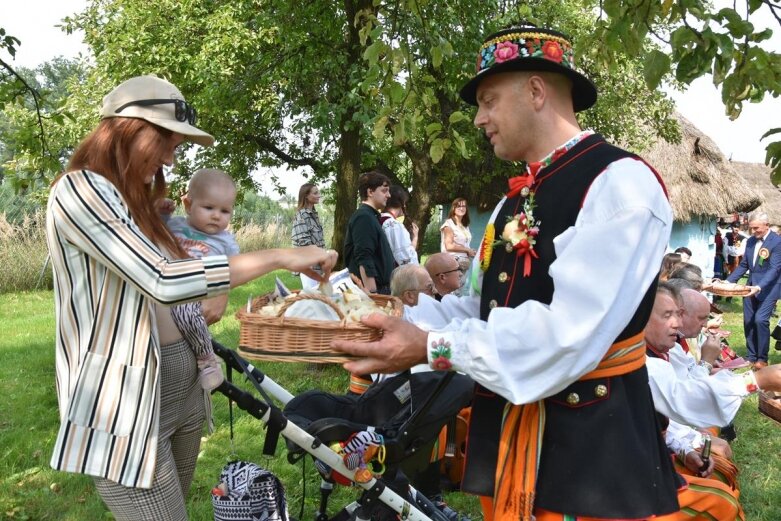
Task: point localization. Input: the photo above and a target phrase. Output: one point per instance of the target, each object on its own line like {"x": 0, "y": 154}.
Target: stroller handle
{"x": 260, "y": 380}
{"x": 277, "y": 423}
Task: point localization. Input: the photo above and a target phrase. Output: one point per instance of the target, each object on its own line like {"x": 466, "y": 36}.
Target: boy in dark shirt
{"x": 367, "y": 253}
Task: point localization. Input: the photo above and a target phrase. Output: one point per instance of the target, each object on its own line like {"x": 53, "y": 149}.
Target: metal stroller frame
{"x": 415, "y": 507}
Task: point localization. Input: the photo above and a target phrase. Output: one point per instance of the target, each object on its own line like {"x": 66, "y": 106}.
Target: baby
{"x": 208, "y": 203}
{"x": 209, "y": 206}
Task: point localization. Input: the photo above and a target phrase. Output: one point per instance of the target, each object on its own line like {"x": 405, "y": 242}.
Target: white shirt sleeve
{"x": 682, "y": 439}
{"x": 692, "y": 397}
{"x": 604, "y": 265}
{"x": 400, "y": 242}
{"x": 430, "y": 314}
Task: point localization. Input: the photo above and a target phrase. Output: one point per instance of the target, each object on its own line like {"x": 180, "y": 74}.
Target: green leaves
{"x": 443, "y": 49}
{"x": 655, "y": 65}
{"x": 373, "y": 51}
{"x": 8, "y": 42}
{"x": 456, "y": 117}
{"x": 438, "y": 148}
{"x": 723, "y": 42}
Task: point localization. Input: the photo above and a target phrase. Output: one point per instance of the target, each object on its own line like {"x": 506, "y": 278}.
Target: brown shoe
{"x": 759, "y": 364}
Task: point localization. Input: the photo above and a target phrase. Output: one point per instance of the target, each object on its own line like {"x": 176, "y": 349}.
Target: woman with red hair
{"x": 131, "y": 407}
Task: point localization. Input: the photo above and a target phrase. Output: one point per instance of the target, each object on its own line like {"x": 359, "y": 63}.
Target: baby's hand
{"x": 166, "y": 206}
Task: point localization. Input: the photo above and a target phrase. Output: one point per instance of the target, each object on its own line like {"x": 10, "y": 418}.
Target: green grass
{"x": 28, "y": 426}
{"x": 29, "y": 421}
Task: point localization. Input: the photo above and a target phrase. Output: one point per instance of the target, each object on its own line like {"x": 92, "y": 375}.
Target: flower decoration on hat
{"x": 530, "y": 48}
{"x": 513, "y": 45}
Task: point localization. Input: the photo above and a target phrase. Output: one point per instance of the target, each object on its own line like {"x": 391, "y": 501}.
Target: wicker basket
{"x": 290, "y": 339}
{"x": 770, "y": 406}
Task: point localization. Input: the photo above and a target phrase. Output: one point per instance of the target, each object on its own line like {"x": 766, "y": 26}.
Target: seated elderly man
{"x": 706, "y": 498}
{"x": 688, "y": 393}
{"x": 445, "y": 273}
{"x": 409, "y": 281}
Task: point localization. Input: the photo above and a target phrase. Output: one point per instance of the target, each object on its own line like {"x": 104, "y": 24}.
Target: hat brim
{"x": 584, "y": 92}
{"x": 189, "y": 132}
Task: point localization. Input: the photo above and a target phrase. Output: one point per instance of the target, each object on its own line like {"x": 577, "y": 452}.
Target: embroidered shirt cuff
{"x": 439, "y": 349}
{"x": 750, "y": 381}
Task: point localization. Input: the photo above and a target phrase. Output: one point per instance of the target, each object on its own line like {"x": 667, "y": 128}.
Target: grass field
{"x": 28, "y": 425}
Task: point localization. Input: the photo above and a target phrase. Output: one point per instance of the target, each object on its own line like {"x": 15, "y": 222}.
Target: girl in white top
{"x": 402, "y": 242}
{"x": 456, "y": 236}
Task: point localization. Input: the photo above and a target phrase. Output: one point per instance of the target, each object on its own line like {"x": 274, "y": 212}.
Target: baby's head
{"x": 209, "y": 200}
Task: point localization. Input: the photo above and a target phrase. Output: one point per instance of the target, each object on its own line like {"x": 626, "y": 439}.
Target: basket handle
{"x": 289, "y": 301}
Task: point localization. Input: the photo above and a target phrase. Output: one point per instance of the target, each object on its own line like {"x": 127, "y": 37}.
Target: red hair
{"x": 108, "y": 151}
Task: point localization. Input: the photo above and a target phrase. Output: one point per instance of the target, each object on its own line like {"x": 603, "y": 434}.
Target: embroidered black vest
{"x": 621, "y": 426}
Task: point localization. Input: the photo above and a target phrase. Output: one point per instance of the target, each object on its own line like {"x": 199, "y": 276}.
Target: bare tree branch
{"x": 272, "y": 148}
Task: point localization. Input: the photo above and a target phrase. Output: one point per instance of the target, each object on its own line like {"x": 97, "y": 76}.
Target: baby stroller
{"x": 400, "y": 418}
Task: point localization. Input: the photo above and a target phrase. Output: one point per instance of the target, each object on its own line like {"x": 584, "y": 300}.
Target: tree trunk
{"x": 348, "y": 169}
{"x": 350, "y": 146}
{"x": 424, "y": 179}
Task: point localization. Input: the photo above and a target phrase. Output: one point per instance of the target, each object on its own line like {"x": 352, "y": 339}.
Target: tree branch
{"x": 774, "y": 10}
{"x": 36, "y": 98}
{"x": 272, "y": 148}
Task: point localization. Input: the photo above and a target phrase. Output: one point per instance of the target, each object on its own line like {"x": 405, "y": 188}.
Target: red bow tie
{"x": 526, "y": 180}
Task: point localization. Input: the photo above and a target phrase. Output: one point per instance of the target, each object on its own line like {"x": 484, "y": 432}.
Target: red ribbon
{"x": 526, "y": 180}
{"x": 527, "y": 252}
{"x": 518, "y": 183}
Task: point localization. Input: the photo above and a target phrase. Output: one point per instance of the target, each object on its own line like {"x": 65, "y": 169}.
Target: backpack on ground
{"x": 247, "y": 492}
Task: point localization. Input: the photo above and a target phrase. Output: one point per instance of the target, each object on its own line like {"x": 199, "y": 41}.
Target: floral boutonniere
{"x": 763, "y": 254}
{"x": 520, "y": 234}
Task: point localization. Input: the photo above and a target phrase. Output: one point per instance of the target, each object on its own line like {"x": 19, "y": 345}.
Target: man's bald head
{"x": 695, "y": 312}
{"x": 445, "y": 272}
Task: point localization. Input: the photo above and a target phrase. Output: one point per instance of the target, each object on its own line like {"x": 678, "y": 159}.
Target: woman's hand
{"x": 245, "y": 267}
{"x": 302, "y": 259}
{"x": 165, "y": 206}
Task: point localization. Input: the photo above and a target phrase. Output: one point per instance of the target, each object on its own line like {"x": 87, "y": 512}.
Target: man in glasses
{"x": 445, "y": 273}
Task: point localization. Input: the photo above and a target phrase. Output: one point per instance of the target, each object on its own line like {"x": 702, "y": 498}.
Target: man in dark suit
{"x": 762, "y": 259}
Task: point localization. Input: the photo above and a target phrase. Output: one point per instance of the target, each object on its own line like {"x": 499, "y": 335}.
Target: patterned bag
{"x": 247, "y": 492}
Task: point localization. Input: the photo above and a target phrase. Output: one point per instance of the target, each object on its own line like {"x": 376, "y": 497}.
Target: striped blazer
{"x": 107, "y": 275}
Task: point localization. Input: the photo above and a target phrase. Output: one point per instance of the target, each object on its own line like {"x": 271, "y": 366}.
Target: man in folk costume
{"x": 762, "y": 260}
{"x": 702, "y": 495}
{"x": 553, "y": 333}
{"x": 688, "y": 394}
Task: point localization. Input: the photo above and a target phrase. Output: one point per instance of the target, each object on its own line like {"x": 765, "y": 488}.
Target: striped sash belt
{"x": 522, "y": 430}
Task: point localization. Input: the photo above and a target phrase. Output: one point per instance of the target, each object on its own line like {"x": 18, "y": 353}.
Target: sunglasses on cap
{"x": 183, "y": 111}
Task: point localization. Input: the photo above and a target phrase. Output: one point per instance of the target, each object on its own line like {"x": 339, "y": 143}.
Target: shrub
{"x": 23, "y": 254}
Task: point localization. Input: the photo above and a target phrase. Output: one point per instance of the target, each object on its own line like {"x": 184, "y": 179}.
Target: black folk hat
{"x": 529, "y": 48}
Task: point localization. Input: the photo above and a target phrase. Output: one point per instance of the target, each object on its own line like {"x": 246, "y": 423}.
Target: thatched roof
{"x": 698, "y": 178}
{"x": 758, "y": 177}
